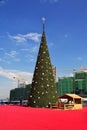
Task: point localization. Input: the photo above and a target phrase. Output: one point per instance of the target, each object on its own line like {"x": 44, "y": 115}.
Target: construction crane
{"x": 81, "y": 69}
{"x": 20, "y": 79}
{"x": 17, "y": 80}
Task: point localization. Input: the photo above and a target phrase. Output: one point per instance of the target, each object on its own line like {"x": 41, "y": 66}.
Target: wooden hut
{"x": 69, "y": 101}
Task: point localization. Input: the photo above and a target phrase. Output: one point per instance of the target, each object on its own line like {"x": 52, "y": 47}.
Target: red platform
{"x": 24, "y": 118}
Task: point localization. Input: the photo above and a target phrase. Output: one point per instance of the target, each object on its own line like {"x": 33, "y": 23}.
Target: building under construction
{"x": 76, "y": 84}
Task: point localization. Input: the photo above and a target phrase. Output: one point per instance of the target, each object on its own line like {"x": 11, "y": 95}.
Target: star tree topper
{"x": 43, "y": 20}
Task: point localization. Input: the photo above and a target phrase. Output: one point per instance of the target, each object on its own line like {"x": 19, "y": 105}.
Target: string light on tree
{"x": 43, "y": 80}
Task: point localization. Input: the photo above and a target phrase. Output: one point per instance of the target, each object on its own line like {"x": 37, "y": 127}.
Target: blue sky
{"x": 20, "y": 35}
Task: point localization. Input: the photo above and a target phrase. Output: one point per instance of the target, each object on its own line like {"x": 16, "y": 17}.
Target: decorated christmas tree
{"x": 43, "y": 88}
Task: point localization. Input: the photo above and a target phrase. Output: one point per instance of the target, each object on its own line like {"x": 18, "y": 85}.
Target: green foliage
{"x": 43, "y": 90}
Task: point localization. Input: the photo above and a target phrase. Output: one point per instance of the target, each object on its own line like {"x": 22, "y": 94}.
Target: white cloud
{"x": 34, "y": 49}
{"x": 21, "y": 75}
{"x": 23, "y": 38}
{"x": 5, "y": 61}
{"x": 31, "y": 58}
{"x": 33, "y": 36}
{"x": 26, "y": 49}
{"x": 11, "y": 54}
{"x": 31, "y": 49}
{"x": 10, "y": 80}
{"x": 18, "y": 38}
{"x": 17, "y": 59}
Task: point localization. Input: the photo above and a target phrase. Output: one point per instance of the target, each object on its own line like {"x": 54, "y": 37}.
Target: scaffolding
{"x": 76, "y": 84}
{"x": 65, "y": 85}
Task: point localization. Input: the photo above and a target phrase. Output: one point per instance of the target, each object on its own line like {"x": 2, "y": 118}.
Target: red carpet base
{"x": 24, "y": 118}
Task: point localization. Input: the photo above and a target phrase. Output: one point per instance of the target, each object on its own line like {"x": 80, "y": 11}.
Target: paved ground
{"x": 23, "y": 118}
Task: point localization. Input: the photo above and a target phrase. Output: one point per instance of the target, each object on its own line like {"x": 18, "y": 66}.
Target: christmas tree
{"x": 43, "y": 87}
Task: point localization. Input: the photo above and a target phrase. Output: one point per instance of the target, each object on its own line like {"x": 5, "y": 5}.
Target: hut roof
{"x": 70, "y": 95}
